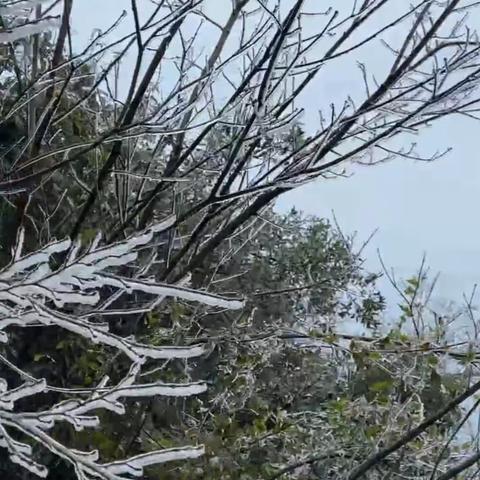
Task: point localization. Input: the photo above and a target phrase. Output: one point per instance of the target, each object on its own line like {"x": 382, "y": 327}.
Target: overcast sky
{"x": 416, "y": 207}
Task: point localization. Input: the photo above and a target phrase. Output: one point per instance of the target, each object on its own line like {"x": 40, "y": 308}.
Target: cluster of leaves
{"x": 305, "y": 400}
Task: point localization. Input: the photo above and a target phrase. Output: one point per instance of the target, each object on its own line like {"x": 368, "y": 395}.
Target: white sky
{"x": 416, "y": 207}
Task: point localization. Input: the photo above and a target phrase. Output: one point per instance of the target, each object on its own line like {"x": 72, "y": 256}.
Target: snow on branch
{"x": 34, "y": 292}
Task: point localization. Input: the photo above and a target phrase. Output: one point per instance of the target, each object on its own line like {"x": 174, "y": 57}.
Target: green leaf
{"x": 88, "y": 235}
{"x": 259, "y": 426}
{"x": 381, "y": 386}
{"x": 315, "y": 333}
{"x": 413, "y": 282}
{"x": 340, "y": 405}
{"x": 376, "y": 356}
{"x": 331, "y": 339}
{"x": 177, "y": 311}
{"x": 373, "y": 431}
{"x": 432, "y": 360}
{"x": 152, "y": 320}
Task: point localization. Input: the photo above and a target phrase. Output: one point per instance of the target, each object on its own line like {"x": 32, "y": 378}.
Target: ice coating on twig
{"x": 33, "y": 293}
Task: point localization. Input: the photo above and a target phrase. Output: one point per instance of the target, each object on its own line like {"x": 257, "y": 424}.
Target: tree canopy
{"x": 158, "y": 318}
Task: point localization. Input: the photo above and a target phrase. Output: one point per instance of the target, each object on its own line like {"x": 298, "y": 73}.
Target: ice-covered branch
{"x": 21, "y": 27}
{"x": 33, "y": 292}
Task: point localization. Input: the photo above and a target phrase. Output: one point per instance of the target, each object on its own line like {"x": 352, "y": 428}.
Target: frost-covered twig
{"x": 32, "y": 293}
